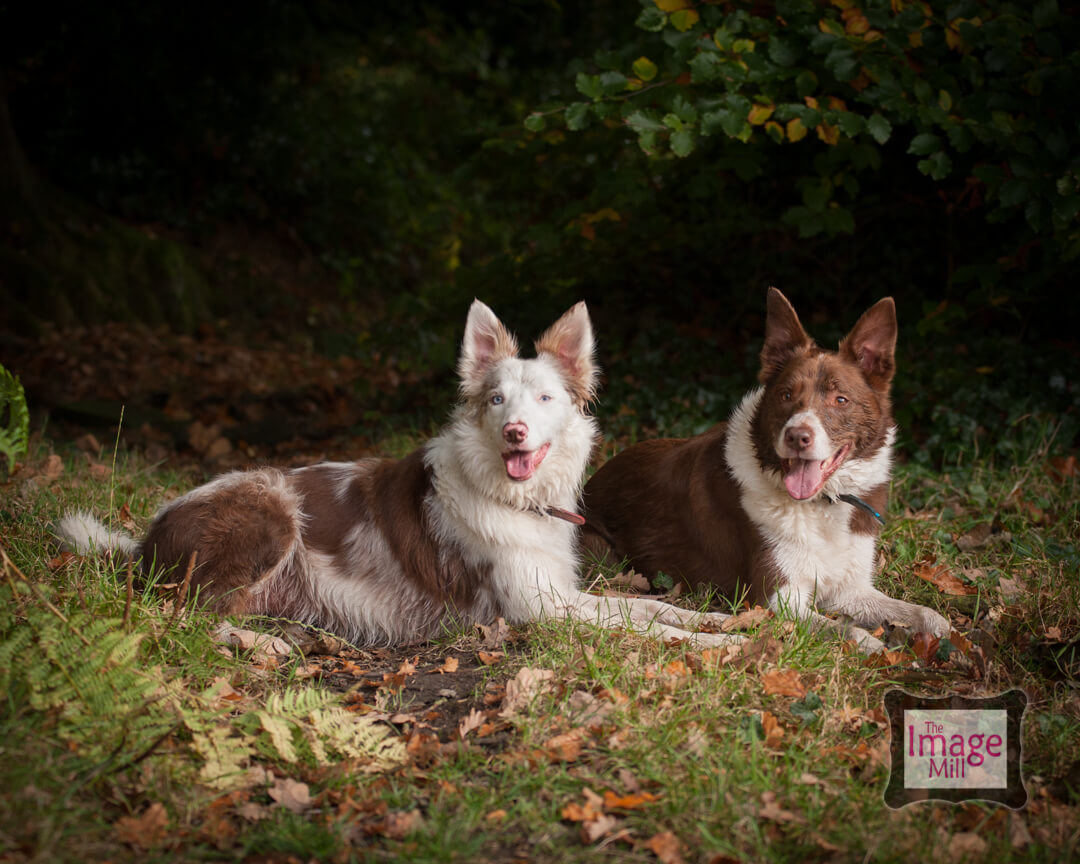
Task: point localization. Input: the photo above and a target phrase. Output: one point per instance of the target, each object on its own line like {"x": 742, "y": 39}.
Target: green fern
{"x": 15, "y": 433}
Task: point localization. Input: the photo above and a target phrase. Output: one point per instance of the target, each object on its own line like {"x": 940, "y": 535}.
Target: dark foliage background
{"x": 347, "y": 177}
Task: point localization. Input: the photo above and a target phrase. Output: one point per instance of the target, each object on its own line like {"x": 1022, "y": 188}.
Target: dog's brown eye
{"x": 787, "y": 396}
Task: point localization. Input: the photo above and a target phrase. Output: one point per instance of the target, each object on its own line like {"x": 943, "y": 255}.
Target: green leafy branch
{"x": 979, "y": 88}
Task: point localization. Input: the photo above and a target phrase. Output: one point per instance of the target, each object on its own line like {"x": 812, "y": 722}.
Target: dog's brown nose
{"x": 515, "y": 433}
{"x": 799, "y": 437}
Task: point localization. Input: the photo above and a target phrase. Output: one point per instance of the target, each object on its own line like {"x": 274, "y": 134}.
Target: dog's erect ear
{"x": 872, "y": 344}
{"x": 486, "y": 342}
{"x": 784, "y": 335}
{"x": 570, "y": 341}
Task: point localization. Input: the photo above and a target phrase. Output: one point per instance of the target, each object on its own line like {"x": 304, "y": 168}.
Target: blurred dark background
{"x": 269, "y": 218}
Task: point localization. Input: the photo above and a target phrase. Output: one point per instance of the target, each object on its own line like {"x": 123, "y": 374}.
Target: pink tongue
{"x": 804, "y": 479}
{"x": 521, "y": 464}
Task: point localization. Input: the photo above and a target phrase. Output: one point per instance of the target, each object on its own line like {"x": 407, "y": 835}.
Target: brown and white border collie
{"x": 782, "y": 501}
{"x": 476, "y": 524}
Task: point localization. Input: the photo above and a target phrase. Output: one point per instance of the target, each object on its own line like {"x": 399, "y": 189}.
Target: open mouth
{"x": 522, "y": 464}
{"x": 803, "y": 478}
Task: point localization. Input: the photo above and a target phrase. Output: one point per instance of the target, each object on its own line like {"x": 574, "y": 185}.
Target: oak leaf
{"x": 146, "y": 830}
{"x": 783, "y": 682}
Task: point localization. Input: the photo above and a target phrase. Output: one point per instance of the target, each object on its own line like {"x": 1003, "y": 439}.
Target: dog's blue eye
{"x": 545, "y": 398}
{"x": 496, "y": 399}
{"x": 840, "y": 400}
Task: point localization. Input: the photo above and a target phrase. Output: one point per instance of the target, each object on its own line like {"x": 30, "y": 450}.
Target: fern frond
{"x": 15, "y": 431}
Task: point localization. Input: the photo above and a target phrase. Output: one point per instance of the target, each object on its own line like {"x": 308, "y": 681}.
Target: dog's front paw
{"x": 928, "y": 621}
{"x": 866, "y": 643}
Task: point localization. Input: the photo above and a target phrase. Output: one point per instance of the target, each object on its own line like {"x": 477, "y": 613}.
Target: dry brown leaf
{"x": 966, "y": 845}
{"x": 591, "y": 809}
{"x": 88, "y": 443}
{"x": 925, "y": 647}
{"x": 774, "y": 732}
{"x": 587, "y": 710}
{"x": 524, "y": 687}
{"x": 940, "y": 576}
{"x": 1019, "y": 836}
{"x": 783, "y": 682}
{"x": 666, "y": 847}
{"x": 489, "y": 658}
{"x": 565, "y": 747}
{"x": 593, "y": 829}
{"x": 145, "y": 830}
{"x": 495, "y": 816}
{"x": 1060, "y": 468}
{"x": 408, "y": 667}
{"x": 633, "y": 801}
{"x": 127, "y": 522}
{"x": 474, "y": 720}
{"x": 883, "y": 659}
{"x": 631, "y": 580}
{"x": 697, "y": 742}
{"x": 53, "y": 467}
{"x": 290, "y": 794}
{"x": 399, "y": 824}
{"x": 252, "y": 812}
{"x": 1011, "y": 589}
{"x": 450, "y": 664}
{"x": 422, "y": 746}
{"x": 100, "y": 472}
{"x": 747, "y": 619}
{"x": 60, "y": 561}
{"x": 772, "y": 811}
{"x": 494, "y": 635}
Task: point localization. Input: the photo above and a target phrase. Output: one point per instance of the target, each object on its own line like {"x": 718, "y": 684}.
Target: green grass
{"x": 108, "y": 705}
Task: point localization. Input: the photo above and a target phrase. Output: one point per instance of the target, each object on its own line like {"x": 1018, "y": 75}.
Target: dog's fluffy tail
{"x": 84, "y": 534}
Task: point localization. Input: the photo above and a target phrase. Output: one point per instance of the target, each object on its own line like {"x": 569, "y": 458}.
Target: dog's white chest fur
{"x": 817, "y": 554}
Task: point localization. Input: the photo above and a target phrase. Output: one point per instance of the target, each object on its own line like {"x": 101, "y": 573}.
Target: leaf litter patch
{"x": 435, "y": 695}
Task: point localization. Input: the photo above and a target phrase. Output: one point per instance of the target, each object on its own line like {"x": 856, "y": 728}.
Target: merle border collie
{"x": 782, "y": 503}
{"x": 478, "y": 523}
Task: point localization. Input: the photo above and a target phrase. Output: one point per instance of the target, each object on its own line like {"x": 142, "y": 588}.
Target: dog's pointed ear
{"x": 570, "y": 342}
{"x": 784, "y": 335}
{"x": 872, "y": 344}
{"x": 486, "y": 342}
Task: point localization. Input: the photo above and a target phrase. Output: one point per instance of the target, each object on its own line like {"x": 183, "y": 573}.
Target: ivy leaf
{"x": 879, "y": 127}
{"x": 807, "y": 708}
